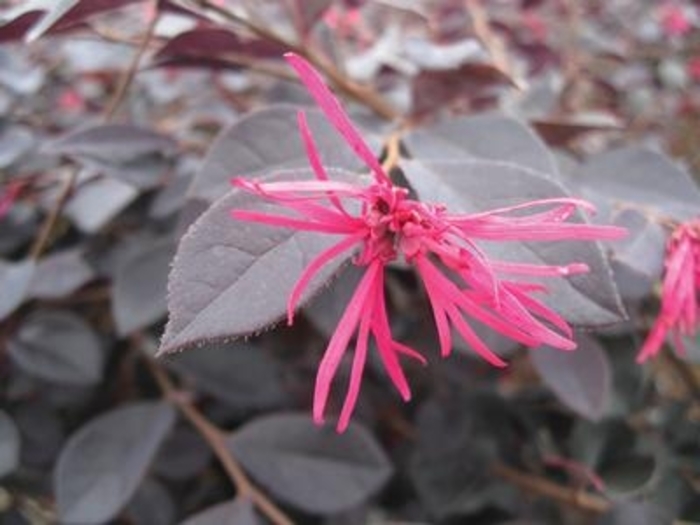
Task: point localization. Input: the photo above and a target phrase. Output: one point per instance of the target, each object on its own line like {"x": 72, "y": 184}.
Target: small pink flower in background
{"x": 679, "y": 291}
{"x": 460, "y": 281}
{"x": 693, "y": 67}
{"x": 9, "y": 195}
{"x": 674, "y": 20}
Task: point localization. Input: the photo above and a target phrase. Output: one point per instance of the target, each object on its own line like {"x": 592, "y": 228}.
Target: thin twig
{"x": 342, "y": 83}
{"x": 42, "y": 240}
{"x": 491, "y": 41}
{"x": 216, "y": 439}
{"x": 684, "y": 372}
{"x": 580, "y": 499}
{"x": 128, "y": 76}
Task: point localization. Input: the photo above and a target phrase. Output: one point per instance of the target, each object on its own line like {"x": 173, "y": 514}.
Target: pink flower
{"x": 679, "y": 292}
{"x": 460, "y": 281}
{"x": 674, "y": 21}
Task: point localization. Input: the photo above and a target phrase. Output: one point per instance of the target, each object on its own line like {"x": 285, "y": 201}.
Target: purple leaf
{"x": 635, "y": 177}
{"x": 581, "y": 379}
{"x": 264, "y": 142}
{"x": 432, "y": 90}
{"x": 323, "y": 472}
{"x": 184, "y": 455}
{"x": 15, "y": 280}
{"x": 9, "y": 445}
{"x": 59, "y": 9}
{"x": 240, "y": 374}
{"x": 214, "y": 43}
{"x": 468, "y": 186}
{"x": 134, "y": 154}
{"x": 232, "y": 278}
{"x": 151, "y": 505}
{"x": 103, "y": 463}
{"x": 140, "y": 287}
{"x": 15, "y": 143}
{"x": 488, "y": 137}
{"x": 98, "y": 201}
{"x": 60, "y": 347}
{"x": 236, "y": 512}
{"x": 38, "y": 18}
{"x": 60, "y": 274}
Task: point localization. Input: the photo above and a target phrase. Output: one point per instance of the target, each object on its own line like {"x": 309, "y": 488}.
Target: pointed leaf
{"x": 635, "y": 177}
{"x": 311, "y": 468}
{"x": 103, "y": 463}
{"x": 580, "y": 379}
{"x": 264, "y": 142}
{"x": 232, "y": 278}
{"x": 60, "y": 347}
{"x": 468, "y": 186}
{"x": 489, "y": 137}
{"x": 59, "y": 9}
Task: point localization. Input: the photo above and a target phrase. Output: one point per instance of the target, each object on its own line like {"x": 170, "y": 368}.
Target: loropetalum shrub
{"x": 349, "y": 262}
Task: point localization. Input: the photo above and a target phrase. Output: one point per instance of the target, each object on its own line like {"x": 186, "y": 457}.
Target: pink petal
{"x": 314, "y": 157}
{"x": 314, "y": 266}
{"x": 290, "y": 222}
{"x": 541, "y": 270}
{"x": 358, "y": 366}
{"x": 472, "y": 339}
{"x": 339, "y": 342}
{"x": 335, "y": 113}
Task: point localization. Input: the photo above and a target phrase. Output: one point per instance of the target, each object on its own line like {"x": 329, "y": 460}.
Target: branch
{"x": 128, "y": 76}
{"x": 42, "y": 240}
{"x": 216, "y": 439}
{"x": 342, "y": 83}
{"x": 491, "y": 41}
{"x": 543, "y": 487}
{"x": 684, "y": 372}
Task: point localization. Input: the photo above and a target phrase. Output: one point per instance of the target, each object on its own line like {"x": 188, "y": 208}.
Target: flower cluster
{"x": 460, "y": 281}
{"x": 679, "y": 292}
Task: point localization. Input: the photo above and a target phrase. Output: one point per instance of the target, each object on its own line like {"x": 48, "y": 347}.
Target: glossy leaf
{"x": 60, "y": 347}
{"x": 581, "y": 379}
{"x": 232, "y": 278}
{"x": 468, "y": 186}
{"x": 103, "y": 463}
{"x": 323, "y": 472}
